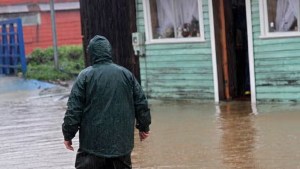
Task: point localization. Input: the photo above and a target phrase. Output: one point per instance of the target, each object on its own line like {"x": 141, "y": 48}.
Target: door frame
{"x": 250, "y": 51}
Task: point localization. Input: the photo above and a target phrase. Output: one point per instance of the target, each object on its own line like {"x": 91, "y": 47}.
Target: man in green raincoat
{"x": 105, "y": 104}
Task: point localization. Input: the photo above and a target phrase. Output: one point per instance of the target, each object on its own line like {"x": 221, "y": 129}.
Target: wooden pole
{"x": 54, "y": 34}
{"x": 224, "y": 50}
{"x": 116, "y": 20}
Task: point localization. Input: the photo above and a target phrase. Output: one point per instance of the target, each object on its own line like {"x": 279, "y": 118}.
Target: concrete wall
{"x": 277, "y": 64}
{"x": 177, "y": 70}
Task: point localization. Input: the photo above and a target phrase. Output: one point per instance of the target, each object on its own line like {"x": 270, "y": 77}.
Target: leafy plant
{"x": 41, "y": 63}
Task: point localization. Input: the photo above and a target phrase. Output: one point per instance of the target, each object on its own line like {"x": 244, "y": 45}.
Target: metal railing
{"x": 12, "y": 51}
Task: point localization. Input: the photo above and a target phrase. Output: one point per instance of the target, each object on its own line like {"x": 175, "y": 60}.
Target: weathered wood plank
{"x": 181, "y": 95}
{"x": 278, "y": 62}
{"x": 278, "y": 89}
{"x": 180, "y": 89}
{"x": 175, "y": 64}
{"x": 279, "y": 97}
{"x": 168, "y": 46}
{"x": 180, "y": 52}
{"x": 271, "y": 83}
{"x": 278, "y": 47}
{"x": 178, "y": 76}
{"x": 180, "y": 83}
{"x": 177, "y": 58}
{"x": 277, "y": 54}
{"x": 158, "y": 71}
{"x": 278, "y": 76}
{"x": 275, "y": 69}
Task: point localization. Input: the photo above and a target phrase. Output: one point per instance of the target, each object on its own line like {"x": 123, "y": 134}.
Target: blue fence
{"x": 12, "y": 52}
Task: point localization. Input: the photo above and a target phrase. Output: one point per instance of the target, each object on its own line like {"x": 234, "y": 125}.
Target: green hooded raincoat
{"x": 105, "y": 104}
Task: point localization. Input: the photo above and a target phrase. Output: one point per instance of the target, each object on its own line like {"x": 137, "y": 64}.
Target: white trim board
{"x": 251, "y": 51}
{"x": 213, "y": 51}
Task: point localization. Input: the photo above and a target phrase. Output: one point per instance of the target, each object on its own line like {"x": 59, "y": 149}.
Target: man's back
{"x": 107, "y": 124}
{"x": 103, "y": 105}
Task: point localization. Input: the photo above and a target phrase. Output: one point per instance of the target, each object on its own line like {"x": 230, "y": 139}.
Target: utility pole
{"x": 116, "y": 20}
{"x": 54, "y": 35}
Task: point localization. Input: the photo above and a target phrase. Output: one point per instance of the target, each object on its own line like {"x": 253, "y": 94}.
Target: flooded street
{"x": 184, "y": 135}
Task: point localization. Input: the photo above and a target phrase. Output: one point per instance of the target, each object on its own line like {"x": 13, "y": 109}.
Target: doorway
{"x": 230, "y": 22}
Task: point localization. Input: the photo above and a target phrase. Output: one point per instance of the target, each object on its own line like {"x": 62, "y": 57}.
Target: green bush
{"x": 41, "y": 63}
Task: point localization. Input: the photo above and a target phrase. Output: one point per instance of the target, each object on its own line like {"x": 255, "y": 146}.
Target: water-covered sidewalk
{"x": 184, "y": 134}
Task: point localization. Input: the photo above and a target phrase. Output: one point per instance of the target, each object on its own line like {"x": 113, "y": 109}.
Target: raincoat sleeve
{"x": 75, "y": 108}
{"x": 142, "y": 112}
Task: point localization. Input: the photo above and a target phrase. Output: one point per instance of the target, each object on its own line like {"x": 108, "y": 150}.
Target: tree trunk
{"x": 116, "y": 20}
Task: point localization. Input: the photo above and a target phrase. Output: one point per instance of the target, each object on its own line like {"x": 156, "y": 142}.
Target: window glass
{"x": 283, "y": 15}
{"x": 174, "y": 19}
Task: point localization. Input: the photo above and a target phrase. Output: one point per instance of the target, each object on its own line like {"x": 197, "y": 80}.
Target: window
{"x": 174, "y": 20}
{"x": 280, "y": 18}
{"x": 28, "y": 19}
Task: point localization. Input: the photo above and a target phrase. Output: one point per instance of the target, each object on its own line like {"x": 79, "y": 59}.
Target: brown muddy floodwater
{"x": 184, "y": 135}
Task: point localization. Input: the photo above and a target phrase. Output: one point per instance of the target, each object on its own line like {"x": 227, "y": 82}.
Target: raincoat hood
{"x": 99, "y": 50}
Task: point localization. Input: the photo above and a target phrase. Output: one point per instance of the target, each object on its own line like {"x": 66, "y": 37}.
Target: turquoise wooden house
{"x": 221, "y": 49}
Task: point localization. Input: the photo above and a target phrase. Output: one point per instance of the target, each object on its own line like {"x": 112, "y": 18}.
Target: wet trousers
{"x": 89, "y": 161}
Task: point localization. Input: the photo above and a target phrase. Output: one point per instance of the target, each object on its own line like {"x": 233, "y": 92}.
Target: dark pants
{"x": 89, "y": 161}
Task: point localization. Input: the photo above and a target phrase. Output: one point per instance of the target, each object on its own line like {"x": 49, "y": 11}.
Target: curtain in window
{"x": 186, "y": 10}
{"x": 175, "y": 13}
{"x": 165, "y": 15}
{"x": 286, "y": 14}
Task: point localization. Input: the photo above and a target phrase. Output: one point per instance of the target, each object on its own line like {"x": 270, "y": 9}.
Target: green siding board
{"x": 181, "y": 95}
{"x": 279, "y": 97}
{"x": 275, "y": 69}
{"x": 278, "y": 76}
{"x": 278, "y": 47}
{"x": 171, "y": 90}
{"x": 181, "y": 83}
{"x": 140, "y": 22}
{"x": 186, "y": 64}
{"x": 278, "y": 54}
{"x": 282, "y": 41}
{"x": 140, "y": 6}
{"x": 278, "y": 62}
{"x": 271, "y": 83}
{"x": 181, "y": 70}
{"x": 278, "y": 89}
{"x": 176, "y": 46}
{"x": 179, "y": 77}
{"x": 180, "y": 58}
{"x": 181, "y": 51}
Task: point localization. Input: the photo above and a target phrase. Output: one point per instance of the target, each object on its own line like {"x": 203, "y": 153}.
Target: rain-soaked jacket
{"x": 105, "y": 104}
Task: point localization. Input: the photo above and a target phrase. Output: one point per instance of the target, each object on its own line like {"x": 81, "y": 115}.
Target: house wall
{"x": 180, "y": 70}
{"x": 67, "y": 26}
{"x": 277, "y": 64}
{"x": 15, "y": 2}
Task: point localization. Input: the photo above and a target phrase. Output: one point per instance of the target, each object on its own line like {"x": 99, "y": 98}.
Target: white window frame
{"x": 264, "y": 24}
{"x": 149, "y": 33}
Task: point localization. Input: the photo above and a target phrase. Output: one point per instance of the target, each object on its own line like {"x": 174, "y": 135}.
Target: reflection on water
{"x": 184, "y": 135}
{"x": 238, "y": 139}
